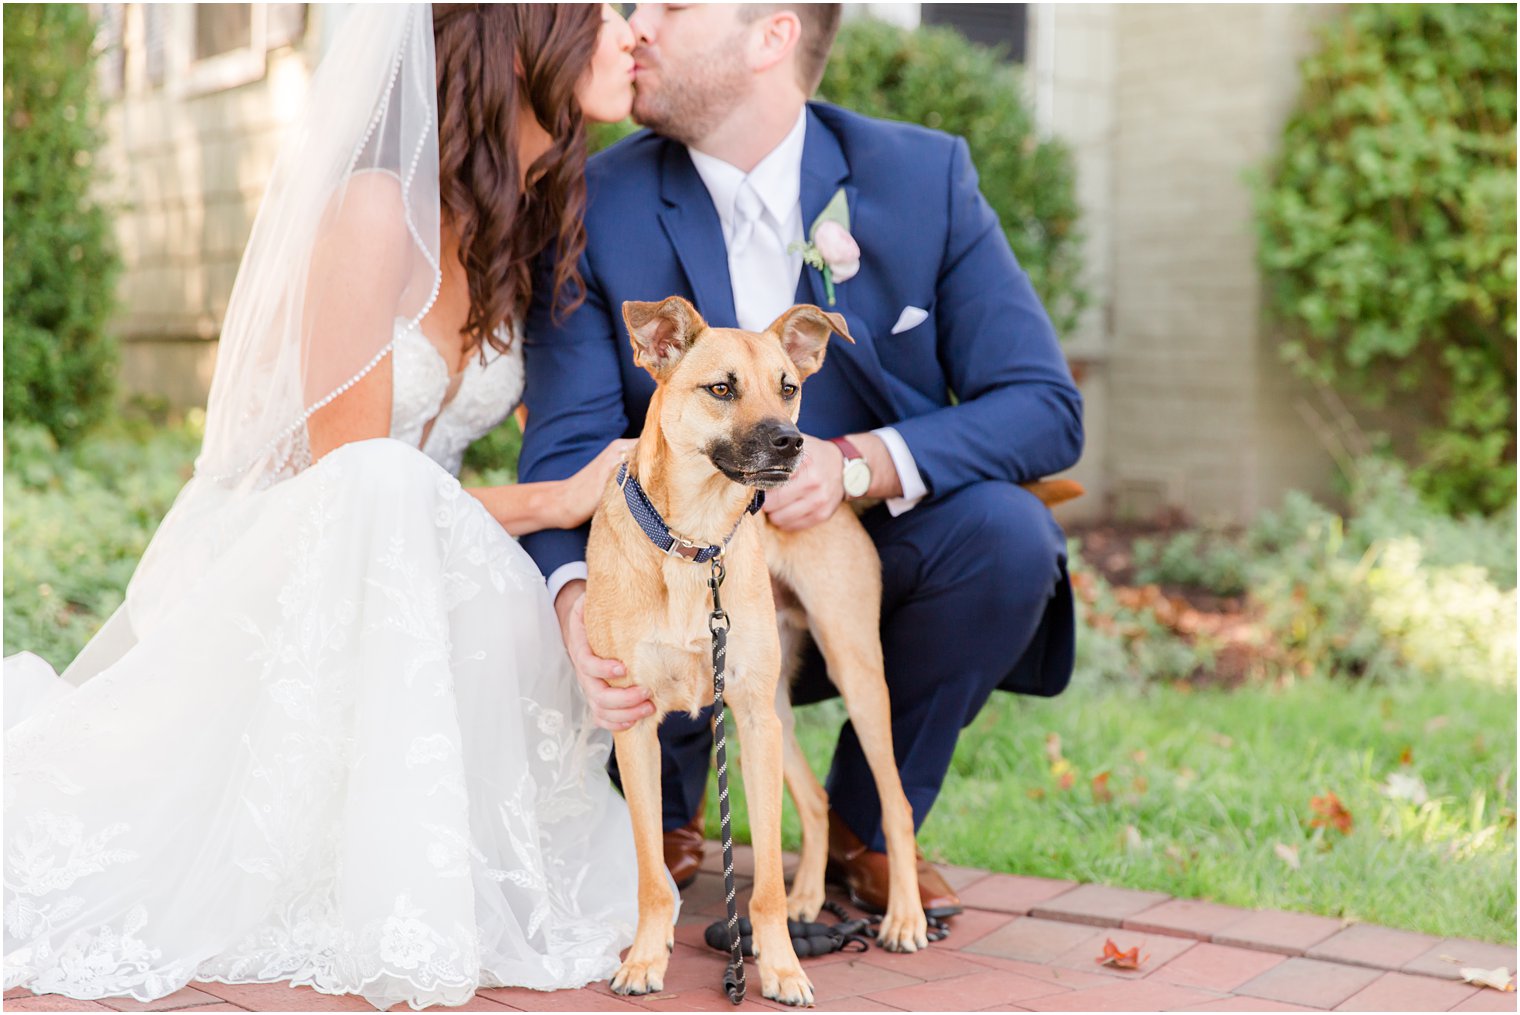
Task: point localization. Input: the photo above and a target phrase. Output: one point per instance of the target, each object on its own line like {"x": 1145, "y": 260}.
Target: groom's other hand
{"x": 817, "y": 488}
{"x": 613, "y": 708}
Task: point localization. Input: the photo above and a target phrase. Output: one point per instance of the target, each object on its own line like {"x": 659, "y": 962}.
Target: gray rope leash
{"x": 718, "y": 624}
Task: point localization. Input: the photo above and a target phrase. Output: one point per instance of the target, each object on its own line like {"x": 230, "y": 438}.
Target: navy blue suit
{"x": 975, "y": 589}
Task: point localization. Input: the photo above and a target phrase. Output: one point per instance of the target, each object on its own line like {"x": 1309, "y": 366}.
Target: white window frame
{"x": 230, "y": 69}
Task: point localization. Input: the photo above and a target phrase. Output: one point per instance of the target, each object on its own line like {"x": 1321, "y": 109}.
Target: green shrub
{"x": 77, "y": 520}
{"x": 934, "y": 77}
{"x": 1197, "y": 558}
{"x": 492, "y": 460}
{"x": 1387, "y": 229}
{"x": 60, "y": 259}
{"x": 1395, "y": 589}
{"x": 1123, "y": 643}
{"x": 605, "y": 135}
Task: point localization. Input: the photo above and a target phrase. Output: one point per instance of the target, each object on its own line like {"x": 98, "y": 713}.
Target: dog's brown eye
{"x": 722, "y": 391}
{"x": 788, "y": 391}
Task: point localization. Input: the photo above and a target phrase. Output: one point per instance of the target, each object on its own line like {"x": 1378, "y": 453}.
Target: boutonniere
{"x": 830, "y": 247}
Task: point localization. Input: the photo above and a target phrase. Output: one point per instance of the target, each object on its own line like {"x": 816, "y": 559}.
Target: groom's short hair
{"x": 820, "y": 23}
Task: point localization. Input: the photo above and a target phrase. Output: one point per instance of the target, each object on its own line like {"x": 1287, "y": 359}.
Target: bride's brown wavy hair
{"x": 496, "y": 62}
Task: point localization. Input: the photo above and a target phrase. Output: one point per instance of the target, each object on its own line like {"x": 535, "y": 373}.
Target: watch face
{"x": 857, "y": 477}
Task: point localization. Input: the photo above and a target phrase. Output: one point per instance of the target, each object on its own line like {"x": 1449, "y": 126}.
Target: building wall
{"x": 1201, "y": 415}
{"x": 190, "y": 156}
{"x": 1070, "y": 76}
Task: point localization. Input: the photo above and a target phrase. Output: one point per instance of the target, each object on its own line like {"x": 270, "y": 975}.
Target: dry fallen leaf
{"x": 1112, "y": 956}
{"x": 1132, "y": 839}
{"x": 1330, "y": 813}
{"x": 1139, "y": 756}
{"x": 1287, "y": 854}
{"x": 1406, "y": 756}
{"x": 1498, "y": 979}
{"x": 1100, "y": 791}
{"x": 1035, "y": 793}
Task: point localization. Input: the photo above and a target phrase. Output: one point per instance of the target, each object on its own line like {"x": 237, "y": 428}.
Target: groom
{"x": 954, "y": 392}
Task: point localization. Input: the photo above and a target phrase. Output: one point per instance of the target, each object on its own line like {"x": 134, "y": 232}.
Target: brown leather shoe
{"x": 864, "y": 873}
{"x": 683, "y": 850}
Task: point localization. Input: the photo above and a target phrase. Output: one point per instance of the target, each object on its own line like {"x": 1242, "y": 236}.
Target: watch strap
{"x": 849, "y": 450}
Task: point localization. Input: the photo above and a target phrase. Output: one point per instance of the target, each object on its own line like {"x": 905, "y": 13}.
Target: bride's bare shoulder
{"x": 371, "y": 199}
{"x": 367, "y": 215}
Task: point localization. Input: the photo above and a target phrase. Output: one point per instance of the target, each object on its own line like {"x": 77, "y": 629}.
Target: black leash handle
{"x": 718, "y": 624}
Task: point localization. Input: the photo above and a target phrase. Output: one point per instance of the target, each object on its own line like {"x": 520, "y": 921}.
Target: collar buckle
{"x": 683, "y": 548}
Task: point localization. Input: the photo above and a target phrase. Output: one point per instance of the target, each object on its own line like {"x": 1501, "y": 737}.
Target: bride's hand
{"x": 582, "y": 492}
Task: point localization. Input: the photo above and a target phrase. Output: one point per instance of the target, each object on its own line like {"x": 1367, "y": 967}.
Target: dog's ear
{"x": 661, "y": 332}
{"x": 804, "y": 331}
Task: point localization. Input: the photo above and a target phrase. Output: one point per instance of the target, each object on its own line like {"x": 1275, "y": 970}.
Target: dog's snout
{"x": 781, "y": 437}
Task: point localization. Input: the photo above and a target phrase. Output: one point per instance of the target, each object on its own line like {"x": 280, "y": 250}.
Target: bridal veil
{"x": 361, "y": 160}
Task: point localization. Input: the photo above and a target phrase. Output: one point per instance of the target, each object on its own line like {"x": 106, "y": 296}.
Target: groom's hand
{"x": 813, "y": 492}
{"x": 613, "y": 708}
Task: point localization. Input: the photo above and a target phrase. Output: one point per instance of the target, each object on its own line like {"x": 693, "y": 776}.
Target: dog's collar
{"x": 659, "y": 533}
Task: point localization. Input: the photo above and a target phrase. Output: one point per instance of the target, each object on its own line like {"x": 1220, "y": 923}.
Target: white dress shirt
{"x": 761, "y": 215}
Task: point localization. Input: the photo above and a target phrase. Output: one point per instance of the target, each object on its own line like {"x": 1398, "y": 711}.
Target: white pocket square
{"x": 911, "y": 317}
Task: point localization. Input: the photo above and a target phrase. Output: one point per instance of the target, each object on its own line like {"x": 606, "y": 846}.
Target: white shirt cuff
{"x": 564, "y": 575}
{"x": 913, "y": 486}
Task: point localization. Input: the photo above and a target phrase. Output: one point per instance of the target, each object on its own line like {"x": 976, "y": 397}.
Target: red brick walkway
{"x": 1023, "y": 944}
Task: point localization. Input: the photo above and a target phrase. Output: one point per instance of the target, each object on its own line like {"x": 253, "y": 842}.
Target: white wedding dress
{"x": 354, "y": 757}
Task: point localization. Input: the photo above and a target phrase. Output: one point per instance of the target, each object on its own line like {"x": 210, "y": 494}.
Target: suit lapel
{"x": 824, "y": 172}
{"x": 691, "y": 224}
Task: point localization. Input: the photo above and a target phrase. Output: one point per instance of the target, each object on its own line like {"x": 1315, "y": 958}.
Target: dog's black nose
{"x": 781, "y": 437}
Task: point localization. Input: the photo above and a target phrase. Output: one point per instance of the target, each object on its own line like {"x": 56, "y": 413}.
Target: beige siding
{"x": 189, "y": 164}
{"x": 1201, "y": 413}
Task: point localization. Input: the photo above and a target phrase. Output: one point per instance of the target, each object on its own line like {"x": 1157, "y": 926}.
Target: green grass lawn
{"x": 1202, "y": 789}
{"x": 1203, "y": 786}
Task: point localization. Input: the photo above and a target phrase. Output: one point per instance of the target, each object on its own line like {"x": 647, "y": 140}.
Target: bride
{"x": 331, "y": 737}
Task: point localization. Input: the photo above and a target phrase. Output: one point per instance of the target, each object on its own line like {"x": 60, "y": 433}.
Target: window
{"x": 222, "y": 28}
{"x": 230, "y": 41}
{"x": 1001, "y": 26}
{"x": 226, "y": 45}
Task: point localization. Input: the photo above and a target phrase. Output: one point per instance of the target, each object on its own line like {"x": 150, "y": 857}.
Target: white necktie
{"x": 762, "y": 273}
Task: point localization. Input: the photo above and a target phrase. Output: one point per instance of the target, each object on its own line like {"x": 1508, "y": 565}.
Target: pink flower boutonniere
{"x": 831, "y": 249}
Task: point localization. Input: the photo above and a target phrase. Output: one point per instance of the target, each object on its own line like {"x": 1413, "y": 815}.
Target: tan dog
{"x": 721, "y": 424}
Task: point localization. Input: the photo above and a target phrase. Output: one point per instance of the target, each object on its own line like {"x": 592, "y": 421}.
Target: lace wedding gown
{"x": 354, "y": 757}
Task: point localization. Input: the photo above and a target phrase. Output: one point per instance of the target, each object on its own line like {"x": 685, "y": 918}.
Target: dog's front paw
{"x": 903, "y": 931}
{"x": 787, "y": 984}
{"x": 641, "y": 976}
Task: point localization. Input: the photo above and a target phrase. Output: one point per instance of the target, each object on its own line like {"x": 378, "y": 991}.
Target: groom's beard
{"x": 689, "y": 102}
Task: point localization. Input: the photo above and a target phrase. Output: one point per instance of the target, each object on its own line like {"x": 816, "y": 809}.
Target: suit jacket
{"x": 979, "y": 390}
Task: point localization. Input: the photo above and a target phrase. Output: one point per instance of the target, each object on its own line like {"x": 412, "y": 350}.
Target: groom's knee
{"x": 1000, "y": 555}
